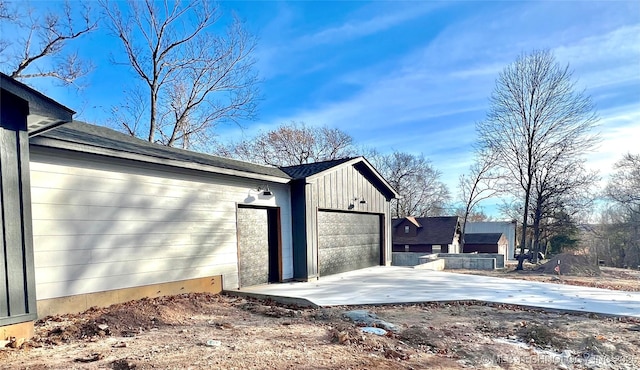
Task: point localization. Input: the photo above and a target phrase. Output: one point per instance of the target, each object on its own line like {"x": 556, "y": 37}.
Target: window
{"x": 406, "y": 247}
{"x": 406, "y": 229}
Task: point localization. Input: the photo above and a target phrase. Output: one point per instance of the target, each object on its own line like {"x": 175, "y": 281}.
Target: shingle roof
{"x": 482, "y": 238}
{"x": 309, "y": 169}
{"x": 434, "y": 230}
{"x": 97, "y": 136}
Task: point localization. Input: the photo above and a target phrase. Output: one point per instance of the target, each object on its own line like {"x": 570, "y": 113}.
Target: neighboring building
{"x": 116, "y": 218}
{"x": 427, "y": 234}
{"x": 507, "y": 228}
{"x": 486, "y": 243}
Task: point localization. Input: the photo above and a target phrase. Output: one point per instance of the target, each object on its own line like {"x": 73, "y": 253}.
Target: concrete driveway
{"x": 387, "y": 284}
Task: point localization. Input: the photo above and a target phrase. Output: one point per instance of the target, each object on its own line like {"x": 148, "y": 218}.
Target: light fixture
{"x": 359, "y": 200}
{"x": 265, "y": 190}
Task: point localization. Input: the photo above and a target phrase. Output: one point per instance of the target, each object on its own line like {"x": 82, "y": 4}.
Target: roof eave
{"x": 44, "y": 112}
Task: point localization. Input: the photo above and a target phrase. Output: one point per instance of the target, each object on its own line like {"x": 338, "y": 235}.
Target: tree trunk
{"x": 464, "y": 228}
{"x": 153, "y": 112}
{"x": 525, "y": 219}
{"x": 535, "y": 246}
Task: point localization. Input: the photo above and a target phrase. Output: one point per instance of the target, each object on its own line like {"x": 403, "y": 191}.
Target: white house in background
{"x": 507, "y": 228}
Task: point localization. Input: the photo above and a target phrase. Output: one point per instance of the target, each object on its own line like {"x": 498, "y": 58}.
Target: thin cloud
{"x": 278, "y": 56}
{"x": 357, "y": 28}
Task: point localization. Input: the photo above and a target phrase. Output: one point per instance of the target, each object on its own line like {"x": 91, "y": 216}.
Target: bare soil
{"x": 574, "y": 270}
{"x": 202, "y": 331}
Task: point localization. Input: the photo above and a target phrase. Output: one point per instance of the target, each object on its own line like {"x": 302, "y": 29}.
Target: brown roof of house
{"x": 482, "y": 238}
{"x": 433, "y": 230}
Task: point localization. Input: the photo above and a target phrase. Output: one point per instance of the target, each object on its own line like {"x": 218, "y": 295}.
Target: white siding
{"x": 109, "y": 224}
{"x": 507, "y": 228}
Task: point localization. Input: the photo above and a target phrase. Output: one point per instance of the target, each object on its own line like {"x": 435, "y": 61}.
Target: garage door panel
{"x": 347, "y": 241}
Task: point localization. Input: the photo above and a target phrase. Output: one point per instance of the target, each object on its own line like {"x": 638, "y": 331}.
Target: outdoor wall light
{"x": 265, "y": 190}
{"x": 359, "y": 200}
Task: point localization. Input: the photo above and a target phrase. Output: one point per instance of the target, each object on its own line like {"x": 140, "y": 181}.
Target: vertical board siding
{"x": 27, "y": 217}
{"x": 311, "y": 204}
{"x": 12, "y": 217}
{"x": 102, "y": 224}
{"x": 338, "y": 189}
{"x": 17, "y": 294}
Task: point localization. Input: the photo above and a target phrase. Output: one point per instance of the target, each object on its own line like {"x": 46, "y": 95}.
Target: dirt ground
{"x": 202, "y": 331}
{"x": 608, "y": 278}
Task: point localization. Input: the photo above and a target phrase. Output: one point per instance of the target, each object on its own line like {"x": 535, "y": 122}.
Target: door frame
{"x": 274, "y": 223}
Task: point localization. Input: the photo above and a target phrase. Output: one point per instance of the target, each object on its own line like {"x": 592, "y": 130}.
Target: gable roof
{"x": 84, "y": 137}
{"x": 313, "y": 170}
{"x": 482, "y": 238}
{"x": 434, "y": 230}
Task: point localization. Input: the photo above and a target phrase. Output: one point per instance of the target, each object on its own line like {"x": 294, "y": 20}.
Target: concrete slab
{"x": 392, "y": 284}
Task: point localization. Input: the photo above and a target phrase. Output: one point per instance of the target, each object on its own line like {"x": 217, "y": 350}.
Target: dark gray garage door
{"x": 347, "y": 241}
{"x": 253, "y": 242}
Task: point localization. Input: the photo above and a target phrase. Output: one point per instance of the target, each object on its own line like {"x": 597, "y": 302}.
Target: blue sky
{"x": 413, "y": 76}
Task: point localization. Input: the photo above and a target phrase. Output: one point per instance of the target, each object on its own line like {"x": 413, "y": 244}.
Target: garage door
{"x": 347, "y": 241}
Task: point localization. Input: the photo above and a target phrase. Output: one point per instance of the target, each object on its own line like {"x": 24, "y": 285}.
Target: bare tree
{"x": 6, "y": 12}
{"x": 622, "y": 231}
{"x": 563, "y": 189}
{"x": 624, "y": 183}
{"x": 292, "y": 144}
{"x": 193, "y": 78}
{"x": 535, "y": 115}
{"x": 479, "y": 184}
{"x": 38, "y": 46}
{"x": 416, "y": 180}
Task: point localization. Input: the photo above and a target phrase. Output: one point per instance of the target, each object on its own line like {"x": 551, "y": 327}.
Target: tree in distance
{"x": 536, "y": 121}
{"x": 416, "y": 180}
{"x": 297, "y": 143}
{"x": 292, "y": 144}
{"x": 624, "y": 184}
{"x": 621, "y": 226}
{"x": 480, "y": 183}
